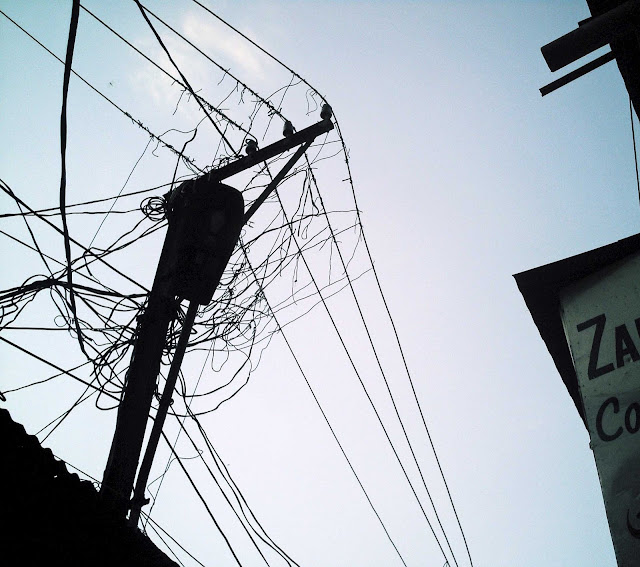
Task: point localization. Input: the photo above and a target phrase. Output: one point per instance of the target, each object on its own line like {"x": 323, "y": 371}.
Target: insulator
{"x": 288, "y": 129}
{"x": 327, "y": 112}
{"x": 251, "y": 146}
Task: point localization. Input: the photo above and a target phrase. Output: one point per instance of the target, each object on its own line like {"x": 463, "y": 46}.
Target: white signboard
{"x": 601, "y": 318}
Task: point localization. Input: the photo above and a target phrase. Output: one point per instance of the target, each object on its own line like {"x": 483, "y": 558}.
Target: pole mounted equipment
{"x": 205, "y": 219}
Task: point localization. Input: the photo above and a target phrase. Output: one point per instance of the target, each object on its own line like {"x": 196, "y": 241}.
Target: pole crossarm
{"x": 275, "y": 182}
{"x": 309, "y": 134}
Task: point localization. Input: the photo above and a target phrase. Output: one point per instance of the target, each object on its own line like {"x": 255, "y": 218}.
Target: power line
{"x": 326, "y": 419}
{"x": 368, "y": 396}
{"x": 60, "y": 419}
{"x": 227, "y": 478}
{"x": 382, "y": 372}
{"x": 404, "y": 360}
{"x": 258, "y": 47}
{"x": 304, "y": 248}
{"x": 75, "y": 11}
{"x": 236, "y": 492}
{"x": 9, "y": 192}
{"x": 267, "y": 103}
{"x": 357, "y": 210}
{"x": 38, "y": 382}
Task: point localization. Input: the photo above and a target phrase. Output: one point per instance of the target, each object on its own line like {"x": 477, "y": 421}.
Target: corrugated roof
{"x": 51, "y": 517}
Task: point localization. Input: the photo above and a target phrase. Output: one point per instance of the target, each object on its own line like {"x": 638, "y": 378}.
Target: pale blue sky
{"x": 464, "y": 176}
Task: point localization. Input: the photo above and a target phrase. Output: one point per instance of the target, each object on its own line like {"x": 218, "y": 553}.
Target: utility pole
{"x": 205, "y": 220}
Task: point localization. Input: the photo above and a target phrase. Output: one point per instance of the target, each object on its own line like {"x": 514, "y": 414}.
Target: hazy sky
{"x": 464, "y": 176}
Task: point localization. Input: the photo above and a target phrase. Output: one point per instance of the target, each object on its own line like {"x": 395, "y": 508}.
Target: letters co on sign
{"x": 601, "y": 319}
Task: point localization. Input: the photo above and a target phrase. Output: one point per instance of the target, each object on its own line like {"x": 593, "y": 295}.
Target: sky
{"x": 464, "y": 176}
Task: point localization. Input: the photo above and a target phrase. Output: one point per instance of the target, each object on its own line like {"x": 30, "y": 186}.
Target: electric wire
{"x": 366, "y": 391}
{"x": 62, "y": 370}
{"x": 260, "y": 48}
{"x": 209, "y": 106}
{"x": 202, "y": 499}
{"x": 157, "y": 526}
{"x": 333, "y": 433}
{"x": 45, "y": 380}
{"x": 231, "y": 506}
{"x": 382, "y": 372}
{"x": 60, "y": 419}
{"x": 272, "y": 109}
{"x": 8, "y": 191}
{"x": 240, "y": 499}
{"x": 350, "y": 181}
{"x": 114, "y": 200}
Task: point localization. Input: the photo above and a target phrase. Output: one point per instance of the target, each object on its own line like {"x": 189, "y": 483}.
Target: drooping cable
{"x": 272, "y": 109}
{"x": 202, "y": 499}
{"x": 209, "y": 106}
{"x": 362, "y": 384}
{"x": 240, "y": 499}
{"x": 62, "y": 370}
{"x": 257, "y": 46}
{"x": 326, "y": 419}
{"x": 210, "y": 334}
{"x": 73, "y": 27}
{"x": 9, "y": 192}
{"x": 382, "y": 372}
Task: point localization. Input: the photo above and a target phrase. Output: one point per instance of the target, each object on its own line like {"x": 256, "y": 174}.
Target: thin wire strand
{"x": 73, "y": 26}
{"x": 635, "y": 149}
{"x": 382, "y": 372}
{"x": 202, "y": 499}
